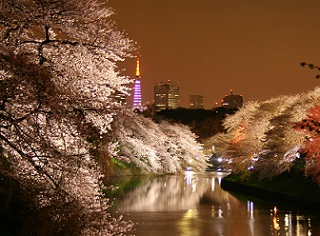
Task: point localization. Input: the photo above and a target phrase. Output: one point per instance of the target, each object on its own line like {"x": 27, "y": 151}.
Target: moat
{"x": 196, "y": 205}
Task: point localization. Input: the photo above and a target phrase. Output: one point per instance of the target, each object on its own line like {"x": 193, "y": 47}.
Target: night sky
{"x": 211, "y": 46}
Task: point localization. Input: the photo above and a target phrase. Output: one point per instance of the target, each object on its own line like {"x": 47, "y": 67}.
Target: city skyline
{"x": 210, "y": 47}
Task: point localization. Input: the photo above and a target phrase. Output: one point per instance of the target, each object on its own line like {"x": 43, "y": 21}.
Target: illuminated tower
{"x": 137, "y": 101}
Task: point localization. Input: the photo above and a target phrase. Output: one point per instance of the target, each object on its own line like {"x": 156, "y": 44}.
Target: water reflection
{"x": 291, "y": 224}
{"x": 196, "y": 205}
{"x": 173, "y": 193}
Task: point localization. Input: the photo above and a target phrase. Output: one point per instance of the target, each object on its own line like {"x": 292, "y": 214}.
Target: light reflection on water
{"x": 196, "y": 205}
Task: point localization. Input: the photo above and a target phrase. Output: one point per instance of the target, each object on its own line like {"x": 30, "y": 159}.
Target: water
{"x": 195, "y": 205}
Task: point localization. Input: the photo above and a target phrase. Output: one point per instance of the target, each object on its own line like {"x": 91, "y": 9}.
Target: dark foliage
{"x": 204, "y": 123}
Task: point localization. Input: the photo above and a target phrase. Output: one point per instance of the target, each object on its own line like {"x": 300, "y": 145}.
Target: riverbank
{"x": 289, "y": 188}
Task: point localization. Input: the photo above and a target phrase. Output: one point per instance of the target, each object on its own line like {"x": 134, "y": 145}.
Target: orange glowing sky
{"x": 211, "y": 46}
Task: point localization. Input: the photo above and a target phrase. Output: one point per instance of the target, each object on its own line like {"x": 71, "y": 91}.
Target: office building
{"x": 196, "y": 101}
{"x": 232, "y": 100}
{"x": 166, "y": 95}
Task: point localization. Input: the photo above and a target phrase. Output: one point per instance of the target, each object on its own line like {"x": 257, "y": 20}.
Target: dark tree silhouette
{"x": 311, "y": 66}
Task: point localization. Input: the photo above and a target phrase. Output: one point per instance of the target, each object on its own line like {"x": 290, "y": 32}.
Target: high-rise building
{"x": 232, "y": 101}
{"x": 196, "y": 101}
{"x": 137, "y": 98}
{"x": 166, "y": 95}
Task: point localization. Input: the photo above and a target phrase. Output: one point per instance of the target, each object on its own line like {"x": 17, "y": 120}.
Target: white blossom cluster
{"x": 57, "y": 76}
{"x": 157, "y": 148}
{"x": 262, "y": 134}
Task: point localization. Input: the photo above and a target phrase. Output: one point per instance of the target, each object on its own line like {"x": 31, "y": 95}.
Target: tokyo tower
{"x": 137, "y": 100}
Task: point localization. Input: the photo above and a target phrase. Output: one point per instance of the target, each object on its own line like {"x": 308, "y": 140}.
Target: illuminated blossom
{"x": 310, "y": 127}
{"x": 57, "y": 76}
{"x": 156, "y": 148}
{"x": 262, "y": 136}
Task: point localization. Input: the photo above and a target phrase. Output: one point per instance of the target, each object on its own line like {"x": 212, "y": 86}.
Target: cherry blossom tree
{"x": 57, "y": 77}
{"x": 184, "y": 147}
{"x": 311, "y": 129}
{"x": 156, "y": 148}
{"x": 262, "y": 137}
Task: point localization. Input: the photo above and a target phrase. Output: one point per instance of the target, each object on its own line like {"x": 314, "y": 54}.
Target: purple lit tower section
{"x": 137, "y": 100}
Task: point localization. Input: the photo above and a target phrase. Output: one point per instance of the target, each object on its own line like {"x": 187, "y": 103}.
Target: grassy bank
{"x": 291, "y": 188}
{"x": 124, "y": 168}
